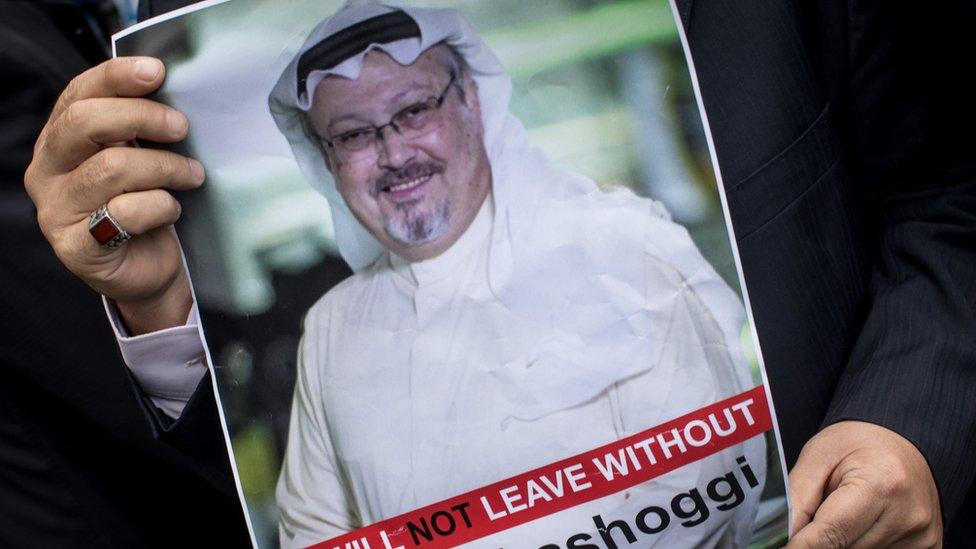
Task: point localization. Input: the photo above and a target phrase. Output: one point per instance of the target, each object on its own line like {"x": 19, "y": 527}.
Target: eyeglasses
{"x": 412, "y": 122}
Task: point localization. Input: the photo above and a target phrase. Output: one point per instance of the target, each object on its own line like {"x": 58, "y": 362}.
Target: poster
{"x": 465, "y": 278}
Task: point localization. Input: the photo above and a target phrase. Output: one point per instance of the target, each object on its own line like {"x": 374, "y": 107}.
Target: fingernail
{"x": 148, "y": 69}
{"x": 196, "y": 169}
{"x": 176, "y": 122}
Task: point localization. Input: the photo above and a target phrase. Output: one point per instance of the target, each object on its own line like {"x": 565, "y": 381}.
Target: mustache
{"x": 408, "y": 172}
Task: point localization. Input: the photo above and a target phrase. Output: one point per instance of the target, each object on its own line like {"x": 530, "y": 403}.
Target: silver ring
{"x": 106, "y": 229}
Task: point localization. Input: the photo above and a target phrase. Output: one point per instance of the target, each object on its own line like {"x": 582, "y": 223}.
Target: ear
{"x": 312, "y": 135}
{"x": 328, "y": 159}
{"x": 470, "y": 88}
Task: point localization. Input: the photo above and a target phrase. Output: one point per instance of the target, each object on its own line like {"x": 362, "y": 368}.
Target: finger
{"x": 808, "y": 482}
{"x": 120, "y": 170}
{"x": 908, "y": 520}
{"x": 90, "y": 125}
{"x": 137, "y": 213}
{"x": 889, "y": 534}
{"x": 929, "y": 538}
{"x": 120, "y": 77}
{"x": 143, "y": 211}
{"x": 845, "y": 516}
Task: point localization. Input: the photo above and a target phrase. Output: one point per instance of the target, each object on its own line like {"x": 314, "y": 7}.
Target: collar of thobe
{"x": 474, "y": 238}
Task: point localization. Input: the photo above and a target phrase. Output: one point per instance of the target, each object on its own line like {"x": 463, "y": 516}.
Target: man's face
{"x": 418, "y": 195}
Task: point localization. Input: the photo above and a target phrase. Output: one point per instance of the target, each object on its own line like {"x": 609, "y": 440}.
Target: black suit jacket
{"x": 845, "y": 134}
{"x": 79, "y": 464}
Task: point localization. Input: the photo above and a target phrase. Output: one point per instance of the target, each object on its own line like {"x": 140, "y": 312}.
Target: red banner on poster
{"x": 575, "y": 480}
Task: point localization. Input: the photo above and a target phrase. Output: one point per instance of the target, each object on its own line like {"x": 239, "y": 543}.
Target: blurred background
{"x": 602, "y": 87}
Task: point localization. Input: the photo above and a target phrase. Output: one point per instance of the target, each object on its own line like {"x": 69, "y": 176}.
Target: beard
{"x": 415, "y": 224}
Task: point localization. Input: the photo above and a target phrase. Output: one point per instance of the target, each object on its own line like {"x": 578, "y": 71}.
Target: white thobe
{"x": 409, "y": 383}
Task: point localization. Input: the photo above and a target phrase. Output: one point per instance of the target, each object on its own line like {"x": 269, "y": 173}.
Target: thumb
{"x": 808, "y": 482}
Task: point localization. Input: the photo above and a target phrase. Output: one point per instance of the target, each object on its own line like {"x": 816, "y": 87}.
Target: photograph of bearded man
{"x": 502, "y": 314}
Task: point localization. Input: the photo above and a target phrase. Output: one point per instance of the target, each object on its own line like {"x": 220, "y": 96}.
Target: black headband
{"x": 346, "y": 43}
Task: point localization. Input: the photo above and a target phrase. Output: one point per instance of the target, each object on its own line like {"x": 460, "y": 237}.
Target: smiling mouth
{"x": 401, "y": 183}
{"x": 407, "y": 185}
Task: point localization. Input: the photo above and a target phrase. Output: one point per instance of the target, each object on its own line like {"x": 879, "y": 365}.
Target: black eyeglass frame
{"x": 434, "y": 103}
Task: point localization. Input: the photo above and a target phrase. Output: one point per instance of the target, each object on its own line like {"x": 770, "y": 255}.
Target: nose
{"x": 395, "y": 151}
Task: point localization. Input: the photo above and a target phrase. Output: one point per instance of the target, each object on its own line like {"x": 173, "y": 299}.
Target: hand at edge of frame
{"x": 84, "y": 158}
{"x": 857, "y": 484}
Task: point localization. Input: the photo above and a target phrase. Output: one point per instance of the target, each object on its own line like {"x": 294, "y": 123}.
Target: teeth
{"x": 409, "y": 184}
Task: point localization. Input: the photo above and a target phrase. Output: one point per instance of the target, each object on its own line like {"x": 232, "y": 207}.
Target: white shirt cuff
{"x": 167, "y": 364}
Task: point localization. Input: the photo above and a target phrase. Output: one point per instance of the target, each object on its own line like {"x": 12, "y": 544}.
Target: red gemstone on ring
{"x": 104, "y": 231}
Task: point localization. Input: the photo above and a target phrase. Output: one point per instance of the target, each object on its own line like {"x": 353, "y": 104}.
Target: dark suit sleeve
{"x": 197, "y": 433}
{"x": 913, "y": 366}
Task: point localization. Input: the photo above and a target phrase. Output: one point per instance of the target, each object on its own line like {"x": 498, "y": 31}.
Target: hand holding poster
{"x": 505, "y": 364}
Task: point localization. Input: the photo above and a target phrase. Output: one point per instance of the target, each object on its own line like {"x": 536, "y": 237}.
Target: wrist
{"x": 166, "y": 309}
